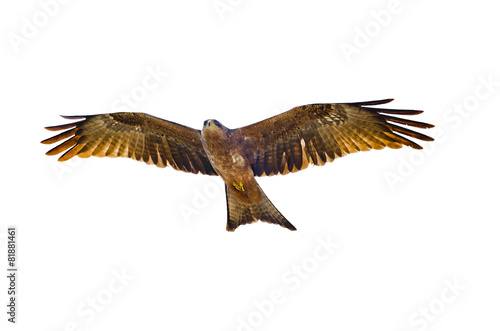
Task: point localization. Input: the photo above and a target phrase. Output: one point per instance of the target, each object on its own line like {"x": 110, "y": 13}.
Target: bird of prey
{"x": 285, "y": 143}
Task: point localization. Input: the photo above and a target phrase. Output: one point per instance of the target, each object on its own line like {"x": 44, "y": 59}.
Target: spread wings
{"x": 319, "y": 133}
{"x": 137, "y": 136}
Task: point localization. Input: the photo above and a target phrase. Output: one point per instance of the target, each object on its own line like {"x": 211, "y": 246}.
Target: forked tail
{"x": 239, "y": 213}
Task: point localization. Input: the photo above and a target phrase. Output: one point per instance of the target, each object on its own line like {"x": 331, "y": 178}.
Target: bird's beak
{"x": 211, "y": 124}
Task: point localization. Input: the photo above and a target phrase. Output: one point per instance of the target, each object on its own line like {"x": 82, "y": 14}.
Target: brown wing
{"x": 137, "y": 136}
{"x": 319, "y": 133}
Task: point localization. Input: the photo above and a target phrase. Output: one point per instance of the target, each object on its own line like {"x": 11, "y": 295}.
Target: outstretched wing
{"x": 319, "y": 133}
{"x": 137, "y": 136}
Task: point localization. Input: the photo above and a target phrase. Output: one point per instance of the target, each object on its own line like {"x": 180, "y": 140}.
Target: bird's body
{"x": 288, "y": 142}
{"x": 245, "y": 199}
{"x": 230, "y": 161}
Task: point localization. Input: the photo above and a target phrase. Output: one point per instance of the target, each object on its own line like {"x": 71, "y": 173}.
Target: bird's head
{"x": 213, "y": 124}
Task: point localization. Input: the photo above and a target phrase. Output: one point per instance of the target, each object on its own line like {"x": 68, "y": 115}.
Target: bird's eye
{"x": 205, "y": 123}
{"x": 216, "y": 123}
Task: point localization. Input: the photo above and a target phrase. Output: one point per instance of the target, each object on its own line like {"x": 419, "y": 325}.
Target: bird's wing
{"x": 137, "y": 136}
{"x": 319, "y": 133}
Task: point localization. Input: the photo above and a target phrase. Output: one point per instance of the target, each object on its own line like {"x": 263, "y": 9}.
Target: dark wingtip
{"x": 398, "y": 111}
{"x": 371, "y": 103}
{"x": 67, "y": 126}
{"x": 60, "y": 127}
{"x": 73, "y": 117}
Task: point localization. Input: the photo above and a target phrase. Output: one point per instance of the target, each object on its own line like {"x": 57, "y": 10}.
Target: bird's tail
{"x": 239, "y": 213}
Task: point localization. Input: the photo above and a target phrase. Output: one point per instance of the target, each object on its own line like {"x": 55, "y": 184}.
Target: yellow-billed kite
{"x": 289, "y": 142}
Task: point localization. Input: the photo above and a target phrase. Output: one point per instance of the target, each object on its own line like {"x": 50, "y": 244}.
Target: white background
{"x": 400, "y": 244}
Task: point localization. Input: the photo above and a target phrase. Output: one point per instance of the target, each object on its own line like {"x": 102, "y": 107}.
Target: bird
{"x": 286, "y": 143}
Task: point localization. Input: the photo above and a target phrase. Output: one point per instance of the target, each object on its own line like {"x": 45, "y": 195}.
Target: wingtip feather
{"x": 60, "y": 127}
{"x": 73, "y": 117}
{"x": 372, "y": 103}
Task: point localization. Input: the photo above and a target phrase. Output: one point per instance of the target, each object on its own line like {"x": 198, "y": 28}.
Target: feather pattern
{"x": 137, "y": 136}
{"x": 319, "y": 133}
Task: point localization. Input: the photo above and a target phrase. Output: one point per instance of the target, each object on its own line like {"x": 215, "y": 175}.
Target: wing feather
{"x": 103, "y": 145}
{"x": 166, "y": 154}
{"x": 153, "y": 148}
{"x": 74, "y": 150}
{"x": 61, "y": 136}
{"x": 94, "y": 140}
{"x": 62, "y": 147}
{"x": 319, "y": 133}
{"x": 133, "y": 135}
{"x": 124, "y": 144}
{"x": 131, "y": 147}
{"x": 114, "y": 145}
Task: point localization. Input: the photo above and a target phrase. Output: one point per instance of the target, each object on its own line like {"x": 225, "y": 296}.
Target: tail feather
{"x": 239, "y": 213}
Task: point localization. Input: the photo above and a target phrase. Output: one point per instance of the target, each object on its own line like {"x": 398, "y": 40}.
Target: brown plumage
{"x": 137, "y": 136}
{"x": 289, "y": 142}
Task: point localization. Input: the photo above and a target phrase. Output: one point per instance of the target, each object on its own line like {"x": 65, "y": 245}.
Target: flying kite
{"x": 285, "y": 143}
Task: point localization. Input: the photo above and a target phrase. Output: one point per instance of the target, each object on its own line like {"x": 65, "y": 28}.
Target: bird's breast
{"x": 225, "y": 154}
{"x": 229, "y": 160}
